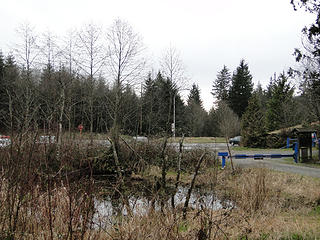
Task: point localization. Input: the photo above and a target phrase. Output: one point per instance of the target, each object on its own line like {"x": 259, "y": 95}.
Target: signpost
{"x": 80, "y": 127}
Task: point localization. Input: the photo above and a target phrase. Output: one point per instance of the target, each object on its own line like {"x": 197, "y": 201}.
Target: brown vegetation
{"x": 45, "y": 197}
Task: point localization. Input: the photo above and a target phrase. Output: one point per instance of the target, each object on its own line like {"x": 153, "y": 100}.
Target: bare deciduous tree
{"x": 49, "y": 53}
{"x": 27, "y": 51}
{"x": 49, "y": 49}
{"x": 68, "y": 54}
{"x": 91, "y": 60}
{"x": 124, "y": 64}
{"x": 173, "y": 68}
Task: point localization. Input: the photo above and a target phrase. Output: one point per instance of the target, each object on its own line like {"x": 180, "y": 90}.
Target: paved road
{"x": 275, "y": 164}
{"x": 279, "y": 166}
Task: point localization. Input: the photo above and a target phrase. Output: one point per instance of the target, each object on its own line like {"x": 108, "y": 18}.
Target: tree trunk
{"x": 186, "y": 203}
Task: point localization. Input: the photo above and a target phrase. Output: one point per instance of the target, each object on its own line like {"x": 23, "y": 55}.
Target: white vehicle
{"x": 140, "y": 139}
{"x": 4, "y": 141}
{"x": 235, "y": 140}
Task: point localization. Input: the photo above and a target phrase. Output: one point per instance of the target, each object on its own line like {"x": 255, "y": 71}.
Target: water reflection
{"x": 108, "y": 208}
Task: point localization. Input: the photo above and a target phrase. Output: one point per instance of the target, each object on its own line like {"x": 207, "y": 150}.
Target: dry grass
{"x": 68, "y": 212}
{"x": 276, "y": 204}
{"x": 267, "y": 204}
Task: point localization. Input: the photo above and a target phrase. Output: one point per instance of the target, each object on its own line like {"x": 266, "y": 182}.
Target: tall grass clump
{"x": 44, "y": 193}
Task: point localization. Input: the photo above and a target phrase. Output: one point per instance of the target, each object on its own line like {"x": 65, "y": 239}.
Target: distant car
{"x": 235, "y": 140}
{"x": 140, "y": 139}
{"x": 4, "y": 141}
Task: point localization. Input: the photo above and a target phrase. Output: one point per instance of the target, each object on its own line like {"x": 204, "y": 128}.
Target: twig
{"x": 164, "y": 162}
{"x": 141, "y": 160}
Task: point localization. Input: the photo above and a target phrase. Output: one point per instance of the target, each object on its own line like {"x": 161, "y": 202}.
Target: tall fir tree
{"x": 194, "y": 95}
{"x": 262, "y": 96}
{"x": 221, "y": 85}
{"x": 158, "y": 106}
{"x": 2, "y": 90}
{"x": 149, "y": 104}
{"x": 281, "y": 96}
{"x": 196, "y": 115}
{"x": 253, "y": 124}
{"x": 241, "y": 89}
{"x": 211, "y": 128}
{"x": 8, "y": 87}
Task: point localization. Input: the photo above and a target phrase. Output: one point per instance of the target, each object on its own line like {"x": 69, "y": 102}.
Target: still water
{"x": 107, "y": 209}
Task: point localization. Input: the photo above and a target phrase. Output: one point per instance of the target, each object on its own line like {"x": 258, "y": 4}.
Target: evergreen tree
{"x": 181, "y": 112}
{"x": 241, "y": 89}
{"x": 262, "y": 97}
{"x": 281, "y": 97}
{"x": 221, "y": 85}
{"x": 149, "y": 105}
{"x": 165, "y": 92}
{"x": 211, "y": 128}
{"x": 196, "y": 115}
{"x": 1, "y": 67}
{"x": 48, "y": 90}
{"x": 130, "y": 108}
{"x": 252, "y": 124}
{"x": 8, "y": 86}
{"x": 2, "y": 90}
{"x": 158, "y": 105}
{"x": 194, "y": 95}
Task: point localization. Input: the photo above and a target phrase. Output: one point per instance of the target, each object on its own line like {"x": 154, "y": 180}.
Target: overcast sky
{"x": 208, "y": 33}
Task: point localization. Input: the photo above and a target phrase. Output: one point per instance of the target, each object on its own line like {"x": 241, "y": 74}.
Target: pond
{"x": 108, "y": 208}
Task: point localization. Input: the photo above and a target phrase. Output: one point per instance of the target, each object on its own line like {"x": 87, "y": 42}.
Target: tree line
{"x": 258, "y": 111}
{"x": 98, "y": 78}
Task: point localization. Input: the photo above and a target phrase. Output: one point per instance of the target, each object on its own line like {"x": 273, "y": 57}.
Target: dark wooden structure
{"x": 304, "y": 137}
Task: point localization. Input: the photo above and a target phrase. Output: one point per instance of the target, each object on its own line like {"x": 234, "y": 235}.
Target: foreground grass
{"x": 269, "y": 205}
{"x": 265, "y": 204}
